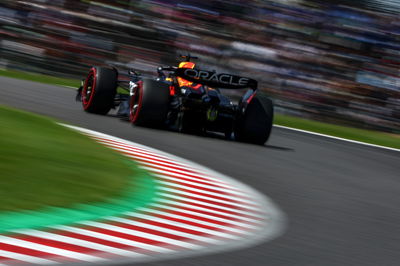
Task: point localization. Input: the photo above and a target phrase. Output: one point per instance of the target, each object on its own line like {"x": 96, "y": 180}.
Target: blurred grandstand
{"x": 325, "y": 60}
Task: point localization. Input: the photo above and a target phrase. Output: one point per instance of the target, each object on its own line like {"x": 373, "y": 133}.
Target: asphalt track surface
{"x": 341, "y": 199}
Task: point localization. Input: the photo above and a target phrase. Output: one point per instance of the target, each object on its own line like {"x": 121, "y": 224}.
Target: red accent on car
{"x": 171, "y": 90}
{"x": 251, "y": 97}
{"x": 92, "y": 75}
{"x": 196, "y": 87}
{"x": 133, "y": 114}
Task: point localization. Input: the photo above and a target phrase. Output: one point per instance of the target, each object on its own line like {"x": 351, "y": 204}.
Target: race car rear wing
{"x": 216, "y": 80}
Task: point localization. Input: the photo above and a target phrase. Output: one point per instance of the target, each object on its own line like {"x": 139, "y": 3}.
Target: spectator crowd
{"x": 317, "y": 60}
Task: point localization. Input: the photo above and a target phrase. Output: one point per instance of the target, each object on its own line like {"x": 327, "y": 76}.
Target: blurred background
{"x": 334, "y": 60}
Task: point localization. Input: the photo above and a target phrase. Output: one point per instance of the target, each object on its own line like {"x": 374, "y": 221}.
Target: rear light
{"x": 171, "y": 90}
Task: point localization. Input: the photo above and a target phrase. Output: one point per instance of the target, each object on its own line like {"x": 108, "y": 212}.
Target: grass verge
{"x": 40, "y": 78}
{"x": 44, "y": 164}
{"x": 368, "y": 136}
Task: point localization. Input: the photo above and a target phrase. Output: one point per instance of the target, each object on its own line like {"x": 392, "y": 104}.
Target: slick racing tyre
{"x": 254, "y": 126}
{"x": 99, "y": 90}
{"x": 148, "y": 106}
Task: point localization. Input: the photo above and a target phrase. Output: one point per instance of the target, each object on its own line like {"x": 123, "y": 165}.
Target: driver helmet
{"x": 183, "y": 82}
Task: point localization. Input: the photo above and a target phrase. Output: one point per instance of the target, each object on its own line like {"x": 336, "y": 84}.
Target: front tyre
{"x": 99, "y": 89}
{"x": 254, "y": 126}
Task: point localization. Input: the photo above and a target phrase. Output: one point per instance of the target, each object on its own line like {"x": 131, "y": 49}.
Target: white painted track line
{"x": 338, "y": 138}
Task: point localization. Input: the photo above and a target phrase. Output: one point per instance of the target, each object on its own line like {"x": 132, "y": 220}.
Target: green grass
{"x": 368, "y": 136}
{"x": 40, "y": 78}
{"x": 44, "y": 164}
{"x": 373, "y": 137}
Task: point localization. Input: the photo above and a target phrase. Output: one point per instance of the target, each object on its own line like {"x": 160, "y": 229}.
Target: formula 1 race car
{"x": 183, "y": 98}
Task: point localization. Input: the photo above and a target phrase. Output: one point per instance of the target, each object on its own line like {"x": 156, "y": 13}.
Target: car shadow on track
{"x": 213, "y": 135}
{"x": 278, "y": 148}
{"x": 221, "y": 137}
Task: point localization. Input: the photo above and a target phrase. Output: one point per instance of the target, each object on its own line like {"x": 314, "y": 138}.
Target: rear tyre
{"x": 254, "y": 126}
{"x": 148, "y": 106}
{"x": 99, "y": 90}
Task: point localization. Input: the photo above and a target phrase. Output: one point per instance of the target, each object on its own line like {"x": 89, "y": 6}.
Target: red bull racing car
{"x": 183, "y": 98}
